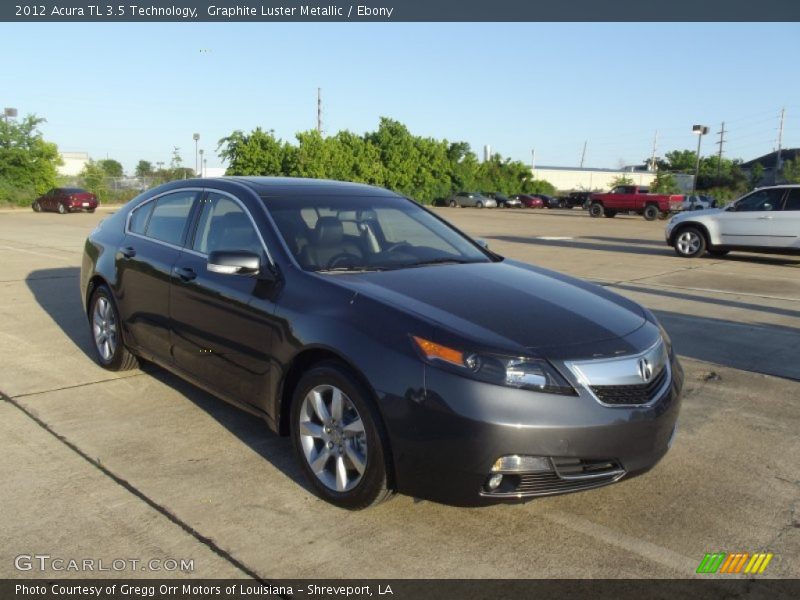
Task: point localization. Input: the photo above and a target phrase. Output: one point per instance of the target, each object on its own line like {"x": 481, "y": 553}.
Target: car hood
{"x": 503, "y": 305}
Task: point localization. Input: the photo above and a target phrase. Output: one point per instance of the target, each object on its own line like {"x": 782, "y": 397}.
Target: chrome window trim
{"x": 187, "y": 248}
{"x": 582, "y": 380}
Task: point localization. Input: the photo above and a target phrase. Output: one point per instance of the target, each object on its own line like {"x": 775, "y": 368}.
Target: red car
{"x": 64, "y": 200}
{"x": 529, "y": 201}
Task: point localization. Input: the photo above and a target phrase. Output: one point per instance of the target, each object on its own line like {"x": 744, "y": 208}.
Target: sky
{"x": 132, "y": 91}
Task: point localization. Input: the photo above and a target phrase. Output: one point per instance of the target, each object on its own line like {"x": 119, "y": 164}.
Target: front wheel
{"x": 453, "y": 204}
{"x": 689, "y": 243}
{"x": 37, "y": 207}
{"x": 106, "y": 329}
{"x": 596, "y": 210}
{"x": 651, "y": 212}
{"x": 479, "y": 204}
{"x": 337, "y": 438}
{"x": 62, "y": 210}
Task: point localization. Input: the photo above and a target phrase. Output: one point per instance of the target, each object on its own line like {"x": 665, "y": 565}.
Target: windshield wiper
{"x": 439, "y": 261}
{"x": 350, "y": 269}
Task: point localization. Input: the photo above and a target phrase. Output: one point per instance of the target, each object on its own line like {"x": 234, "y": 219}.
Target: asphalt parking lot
{"x": 141, "y": 465}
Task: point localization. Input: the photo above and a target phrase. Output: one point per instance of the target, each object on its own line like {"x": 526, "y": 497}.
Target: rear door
{"x": 751, "y": 222}
{"x": 222, "y": 324}
{"x": 155, "y": 234}
{"x": 787, "y": 221}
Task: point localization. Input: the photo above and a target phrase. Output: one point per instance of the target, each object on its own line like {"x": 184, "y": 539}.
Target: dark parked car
{"x": 64, "y": 200}
{"x": 580, "y": 199}
{"x": 528, "y": 201}
{"x": 548, "y": 201}
{"x": 366, "y": 328}
{"x": 503, "y": 201}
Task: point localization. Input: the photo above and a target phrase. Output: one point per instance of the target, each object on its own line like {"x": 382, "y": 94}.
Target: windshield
{"x": 365, "y": 233}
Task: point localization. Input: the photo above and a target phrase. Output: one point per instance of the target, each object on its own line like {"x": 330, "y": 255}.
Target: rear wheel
{"x": 106, "y": 328}
{"x": 479, "y": 204}
{"x": 62, "y": 209}
{"x": 651, "y": 212}
{"x": 689, "y": 242}
{"x": 453, "y": 204}
{"x": 337, "y": 438}
{"x": 596, "y": 210}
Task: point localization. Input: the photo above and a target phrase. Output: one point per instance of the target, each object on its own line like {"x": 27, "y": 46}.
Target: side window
{"x": 169, "y": 216}
{"x": 224, "y": 225}
{"x": 761, "y": 200}
{"x": 139, "y": 218}
{"x": 793, "y": 200}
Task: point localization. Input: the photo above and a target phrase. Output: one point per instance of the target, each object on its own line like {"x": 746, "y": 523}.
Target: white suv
{"x": 765, "y": 220}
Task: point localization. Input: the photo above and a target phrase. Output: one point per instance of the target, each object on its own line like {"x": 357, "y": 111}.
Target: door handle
{"x": 185, "y": 273}
{"x": 765, "y": 218}
{"x": 128, "y": 252}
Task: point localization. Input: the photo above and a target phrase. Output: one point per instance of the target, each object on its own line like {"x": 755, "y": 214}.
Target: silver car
{"x": 765, "y": 220}
{"x": 475, "y": 199}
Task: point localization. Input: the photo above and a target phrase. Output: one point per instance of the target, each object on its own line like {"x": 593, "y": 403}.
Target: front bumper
{"x": 462, "y": 427}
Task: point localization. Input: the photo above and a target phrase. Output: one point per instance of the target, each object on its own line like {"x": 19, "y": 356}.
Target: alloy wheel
{"x": 104, "y": 328}
{"x": 333, "y": 438}
{"x": 688, "y": 243}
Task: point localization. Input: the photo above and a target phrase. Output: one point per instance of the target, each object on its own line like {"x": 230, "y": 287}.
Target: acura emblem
{"x": 645, "y": 370}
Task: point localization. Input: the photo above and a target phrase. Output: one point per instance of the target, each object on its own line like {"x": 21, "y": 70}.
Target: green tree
{"x": 256, "y": 153}
{"x": 621, "y": 180}
{"x": 791, "y": 171}
{"x": 756, "y": 174}
{"x": 27, "y": 162}
{"x": 111, "y": 167}
{"x": 93, "y": 178}
{"x": 679, "y": 161}
{"x": 665, "y": 183}
{"x": 144, "y": 168}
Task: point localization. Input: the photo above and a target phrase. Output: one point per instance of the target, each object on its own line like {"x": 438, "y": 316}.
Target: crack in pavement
{"x": 77, "y": 385}
{"x": 173, "y": 518}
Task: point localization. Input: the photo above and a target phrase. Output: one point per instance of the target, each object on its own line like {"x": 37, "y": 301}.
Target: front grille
{"x": 569, "y": 475}
{"x": 630, "y": 394}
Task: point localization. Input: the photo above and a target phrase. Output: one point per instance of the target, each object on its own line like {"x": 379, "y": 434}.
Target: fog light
{"x": 516, "y": 463}
{"x": 494, "y": 482}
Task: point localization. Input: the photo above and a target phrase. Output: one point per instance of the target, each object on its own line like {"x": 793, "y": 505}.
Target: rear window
{"x": 168, "y": 219}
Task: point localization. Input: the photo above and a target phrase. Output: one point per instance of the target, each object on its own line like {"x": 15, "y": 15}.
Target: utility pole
{"x": 533, "y": 160}
{"x": 583, "y": 154}
{"x": 319, "y": 111}
{"x": 780, "y": 144}
{"x": 720, "y": 143}
{"x": 653, "y": 156}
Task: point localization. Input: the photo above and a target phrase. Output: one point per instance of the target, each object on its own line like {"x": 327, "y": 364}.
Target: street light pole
{"x": 201, "y": 163}
{"x": 699, "y": 131}
{"x": 196, "y": 138}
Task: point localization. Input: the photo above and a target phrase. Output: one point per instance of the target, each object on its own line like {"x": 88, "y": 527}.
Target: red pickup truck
{"x": 632, "y": 198}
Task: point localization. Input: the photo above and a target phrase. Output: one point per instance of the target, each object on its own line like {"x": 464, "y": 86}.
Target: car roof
{"x": 299, "y": 186}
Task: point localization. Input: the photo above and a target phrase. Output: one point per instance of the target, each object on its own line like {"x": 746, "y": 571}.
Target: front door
{"x": 751, "y": 221}
{"x": 222, "y": 324}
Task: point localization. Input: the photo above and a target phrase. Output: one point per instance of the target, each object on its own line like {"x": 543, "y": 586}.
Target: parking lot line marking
{"x": 206, "y": 541}
{"x": 67, "y": 258}
{"x": 613, "y": 537}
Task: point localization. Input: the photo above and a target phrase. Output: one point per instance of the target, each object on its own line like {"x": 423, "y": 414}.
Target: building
{"x": 585, "y": 179}
{"x": 771, "y": 164}
{"x": 73, "y": 163}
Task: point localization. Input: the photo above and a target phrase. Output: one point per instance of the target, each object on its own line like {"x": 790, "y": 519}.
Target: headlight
{"x": 525, "y": 373}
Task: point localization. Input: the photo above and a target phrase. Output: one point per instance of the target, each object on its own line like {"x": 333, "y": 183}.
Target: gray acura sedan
{"x": 365, "y": 327}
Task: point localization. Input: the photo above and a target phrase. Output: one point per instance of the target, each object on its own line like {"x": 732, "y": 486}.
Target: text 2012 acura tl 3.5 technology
{"x": 366, "y": 327}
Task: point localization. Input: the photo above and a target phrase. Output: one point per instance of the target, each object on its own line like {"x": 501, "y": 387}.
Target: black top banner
{"x": 402, "y": 11}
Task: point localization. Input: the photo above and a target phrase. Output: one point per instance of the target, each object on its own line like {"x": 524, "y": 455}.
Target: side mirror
{"x": 482, "y": 243}
{"x": 234, "y": 262}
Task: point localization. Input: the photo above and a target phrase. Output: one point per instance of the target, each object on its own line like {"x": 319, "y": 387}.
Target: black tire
{"x": 36, "y": 206}
{"x": 62, "y": 210}
{"x": 689, "y": 242}
{"x": 121, "y": 359}
{"x": 373, "y": 487}
{"x": 453, "y": 204}
{"x": 479, "y": 204}
{"x": 718, "y": 253}
{"x": 596, "y": 210}
{"x": 610, "y": 213}
{"x": 650, "y": 212}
